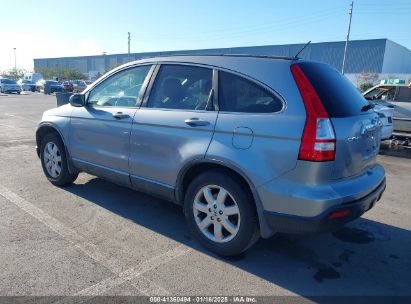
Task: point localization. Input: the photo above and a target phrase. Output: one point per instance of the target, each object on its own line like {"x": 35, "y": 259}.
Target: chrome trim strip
{"x": 100, "y": 166}
{"x": 152, "y": 181}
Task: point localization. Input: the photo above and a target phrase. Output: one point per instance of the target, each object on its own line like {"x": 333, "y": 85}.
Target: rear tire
{"x": 54, "y": 161}
{"x": 220, "y": 214}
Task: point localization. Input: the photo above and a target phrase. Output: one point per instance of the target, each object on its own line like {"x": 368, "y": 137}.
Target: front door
{"x": 100, "y": 131}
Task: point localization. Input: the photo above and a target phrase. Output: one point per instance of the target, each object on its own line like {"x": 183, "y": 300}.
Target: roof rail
{"x": 226, "y": 55}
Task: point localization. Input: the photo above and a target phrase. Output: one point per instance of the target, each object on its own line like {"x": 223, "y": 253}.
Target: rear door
{"x": 100, "y": 131}
{"x": 357, "y": 128}
{"x": 173, "y": 127}
{"x": 255, "y": 132}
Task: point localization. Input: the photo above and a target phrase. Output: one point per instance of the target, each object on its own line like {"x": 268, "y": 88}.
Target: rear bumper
{"x": 386, "y": 131}
{"x": 324, "y": 222}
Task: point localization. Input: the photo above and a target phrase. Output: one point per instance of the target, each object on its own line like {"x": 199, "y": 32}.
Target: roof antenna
{"x": 296, "y": 56}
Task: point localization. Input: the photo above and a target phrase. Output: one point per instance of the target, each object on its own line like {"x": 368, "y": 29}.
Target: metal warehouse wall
{"x": 397, "y": 59}
{"x": 377, "y": 56}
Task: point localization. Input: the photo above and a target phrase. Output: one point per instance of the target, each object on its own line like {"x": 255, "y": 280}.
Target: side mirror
{"x": 77, "y": 100}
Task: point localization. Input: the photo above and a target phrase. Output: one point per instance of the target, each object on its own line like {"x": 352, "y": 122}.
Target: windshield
{"x": 9, "y": 81}
{"x": 383, "y": 92}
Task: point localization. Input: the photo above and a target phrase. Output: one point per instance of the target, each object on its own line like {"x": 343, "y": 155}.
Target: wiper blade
{"x": 367, "y": 107}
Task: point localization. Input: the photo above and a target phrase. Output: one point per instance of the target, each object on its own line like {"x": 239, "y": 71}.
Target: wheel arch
{"x": 194, "y": 168}
{"x": 47, "y": 128}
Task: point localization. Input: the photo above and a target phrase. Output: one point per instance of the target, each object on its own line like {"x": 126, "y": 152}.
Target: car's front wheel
{"x": 220, "y": 213}
{"x": 54, "y": 161}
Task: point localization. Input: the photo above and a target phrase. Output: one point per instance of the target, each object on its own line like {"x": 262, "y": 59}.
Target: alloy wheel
{"x": 216, "y": 213}
{"x": 52, "y": 159}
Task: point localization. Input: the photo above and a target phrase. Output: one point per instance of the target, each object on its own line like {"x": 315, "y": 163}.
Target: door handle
{"x": 196, "y": 122}
{"x": 120, "y": 115}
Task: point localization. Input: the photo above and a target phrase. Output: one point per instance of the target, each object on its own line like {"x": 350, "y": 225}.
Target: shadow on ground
{"x": 365, "y": 258}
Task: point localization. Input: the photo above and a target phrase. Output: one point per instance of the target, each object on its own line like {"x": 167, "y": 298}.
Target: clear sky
{"x": 45, "y": 28}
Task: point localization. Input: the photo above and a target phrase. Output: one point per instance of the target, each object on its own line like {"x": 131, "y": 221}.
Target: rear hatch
{"x": 357, "y": 127}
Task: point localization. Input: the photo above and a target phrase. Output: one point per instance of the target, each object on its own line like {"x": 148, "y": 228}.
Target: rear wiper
{"x": 367, "y": 107}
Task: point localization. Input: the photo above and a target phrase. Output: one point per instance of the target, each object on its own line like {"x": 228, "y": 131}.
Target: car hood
{"x": 62, "y": 111}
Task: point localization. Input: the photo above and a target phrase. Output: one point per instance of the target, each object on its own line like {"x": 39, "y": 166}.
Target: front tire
{"x": 54, "y": 161}
{"x": 220, "y": 213}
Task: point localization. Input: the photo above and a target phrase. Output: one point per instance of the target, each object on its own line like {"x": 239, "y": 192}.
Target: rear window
{"x": 339, "y": 96}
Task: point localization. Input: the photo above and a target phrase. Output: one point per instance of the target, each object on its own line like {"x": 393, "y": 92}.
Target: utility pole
{"x": 15, "y": 62}
{"x": 348, "y": 37}
{"x": 129, "y": 46}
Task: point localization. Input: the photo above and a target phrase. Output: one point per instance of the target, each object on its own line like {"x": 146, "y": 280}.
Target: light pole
{"x": 15, "y": 62}
{"x": 348, "y": 38}
{"x": 128, "y": 46}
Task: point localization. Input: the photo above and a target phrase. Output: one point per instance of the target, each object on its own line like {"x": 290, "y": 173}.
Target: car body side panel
{"x": 274, "y": 148}
{"x": 162, "y": 143}
{"x": 99, "y": 143}
{"x": 276, "y": 136}
{"x": 59, "y": 118}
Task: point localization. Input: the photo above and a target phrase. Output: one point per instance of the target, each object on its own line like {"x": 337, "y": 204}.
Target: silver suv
{"x": 249, "y": 146}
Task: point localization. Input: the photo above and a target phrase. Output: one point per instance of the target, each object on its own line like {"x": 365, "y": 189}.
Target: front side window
{"x": 121, "y": 89}
{"x": 181, "y": 87}
{"x": 237, "y": 94}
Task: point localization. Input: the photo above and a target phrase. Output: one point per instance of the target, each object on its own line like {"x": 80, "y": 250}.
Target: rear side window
{"x": 237, "y": 94}
{"x": 403, "y": 94}
{"x": 338, "y": 95}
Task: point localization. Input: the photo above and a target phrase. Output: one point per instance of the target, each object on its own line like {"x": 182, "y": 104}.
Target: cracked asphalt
{"x": 96, "y": 238}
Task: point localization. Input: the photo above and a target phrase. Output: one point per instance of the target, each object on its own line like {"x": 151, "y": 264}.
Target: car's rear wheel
{"x": 220, "y": 213}
{"x": 54, "y": 161}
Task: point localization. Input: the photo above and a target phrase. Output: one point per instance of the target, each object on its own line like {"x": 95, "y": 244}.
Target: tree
{"x": 14, "y": 73}
{"x": 365, "y": 86}
{"x": 73, "y": 74}
{"x": 68, "y": 74}
{"x": 366, "y": 80}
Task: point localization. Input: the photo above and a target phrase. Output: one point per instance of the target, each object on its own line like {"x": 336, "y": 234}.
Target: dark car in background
{"x": 78, "y": 85}
{"x": 54, "y": 86}
{"x": 67, "y": 86}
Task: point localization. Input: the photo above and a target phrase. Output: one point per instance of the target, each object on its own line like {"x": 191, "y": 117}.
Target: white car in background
{"x": 394, "y": 94}
{"x": 385, "y": 114}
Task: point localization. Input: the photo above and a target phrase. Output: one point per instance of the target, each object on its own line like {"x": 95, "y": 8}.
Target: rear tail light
{"x": 318, "y": 140}
{"x": 339, "y": 214}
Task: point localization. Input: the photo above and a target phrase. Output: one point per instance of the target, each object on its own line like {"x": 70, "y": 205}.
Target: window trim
{"x": 116, "y": 72}
{"x": 259, "y": 84}
{"x": 215, "y": 86}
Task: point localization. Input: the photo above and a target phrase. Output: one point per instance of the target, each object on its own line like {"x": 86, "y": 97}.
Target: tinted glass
{"x": 237, "y": 94}
{"x": 9, "y": 81}
{"x": 121, "y": 89}
{"x": 382, "y": 92}
{"x": 181, "y": 87}
{"x": 403, "y": 94}
{"x": 338, "y": 94}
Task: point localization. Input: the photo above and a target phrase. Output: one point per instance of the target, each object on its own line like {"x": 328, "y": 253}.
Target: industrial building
{"x": 381, "y": 56}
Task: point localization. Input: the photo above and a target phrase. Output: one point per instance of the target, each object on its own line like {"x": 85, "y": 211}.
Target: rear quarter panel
{"x": 275, "y": 137}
